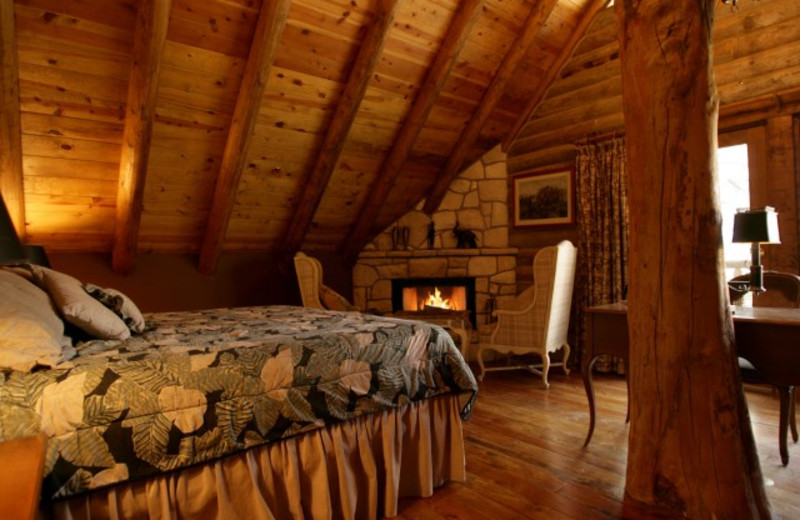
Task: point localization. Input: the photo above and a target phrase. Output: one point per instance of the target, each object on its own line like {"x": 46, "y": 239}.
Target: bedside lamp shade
{"x": 757, "y": 226}
{"x": 10, "y": 247}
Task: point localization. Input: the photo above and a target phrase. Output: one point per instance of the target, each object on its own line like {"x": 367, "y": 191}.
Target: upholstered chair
{"x": 313, "y": 292}
{"x": 536, "y": 322}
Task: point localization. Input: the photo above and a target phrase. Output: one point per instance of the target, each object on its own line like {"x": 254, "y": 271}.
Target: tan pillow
{"x": 77, "y": 307}
{"x": 334, "y": 301}
{"x": 119, "y": 304}
{"x": 31, "y": 332}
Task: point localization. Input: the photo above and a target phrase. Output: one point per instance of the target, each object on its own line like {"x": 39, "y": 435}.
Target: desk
{"x": 768, "y": 337}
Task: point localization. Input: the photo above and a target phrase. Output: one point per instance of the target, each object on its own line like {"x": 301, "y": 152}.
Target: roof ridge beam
{"x": 519, "y": 48}
{"x": 263, "y": 49}
{"x": 150, "y": 34}
{"x": 11, "y": 181}
{"x": 590, "y": 11}
{"x": 341, "y": 123}
{"x": 457, "y": 34}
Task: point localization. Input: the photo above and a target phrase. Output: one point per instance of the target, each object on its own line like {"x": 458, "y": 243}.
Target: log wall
{"x": 757, "y": 67}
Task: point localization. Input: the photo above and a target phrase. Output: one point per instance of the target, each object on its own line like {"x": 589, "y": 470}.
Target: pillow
{"x": 119, "y": 304}
{"x": 78, "y": 307}
{"x": 31, "y": 333}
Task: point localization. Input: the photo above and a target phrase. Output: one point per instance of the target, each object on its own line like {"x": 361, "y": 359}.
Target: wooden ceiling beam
{"x": 519, "y": 48}
{"x": 458, "y": 32}
{"x": 589, "y": 12}
{"x": 263, "y": 49}
{"x": 339, "y": 128}
{"x": 150, "y": 34}
{"x": 11, "y": 184}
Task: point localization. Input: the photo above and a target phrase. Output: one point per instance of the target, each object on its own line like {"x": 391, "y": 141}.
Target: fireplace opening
{"x": 434, "y": 295}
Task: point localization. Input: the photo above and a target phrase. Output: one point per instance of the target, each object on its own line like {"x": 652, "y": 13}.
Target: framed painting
{"x": 545, "y": 198}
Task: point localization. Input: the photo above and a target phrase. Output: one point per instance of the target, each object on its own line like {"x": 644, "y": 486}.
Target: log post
{"x": 691, "y": 450}
{"x": 11, "y": 185}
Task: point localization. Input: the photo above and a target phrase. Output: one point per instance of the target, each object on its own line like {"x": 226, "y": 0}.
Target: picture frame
{"x": 545, "y": 198}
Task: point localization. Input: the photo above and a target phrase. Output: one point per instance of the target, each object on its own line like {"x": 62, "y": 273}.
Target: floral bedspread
{"x": 199, "y": 385}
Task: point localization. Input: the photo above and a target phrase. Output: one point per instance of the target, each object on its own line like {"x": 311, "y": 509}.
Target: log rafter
{"x": 339, "y": 128}
{"x": 263, "y": 49}
{"x": 150, "y": 35}
{"x": 536, "y": 19}
{"x": 440, "y": 70}
{"x": 589, "y": 12}
{"x": 11, "y": 184}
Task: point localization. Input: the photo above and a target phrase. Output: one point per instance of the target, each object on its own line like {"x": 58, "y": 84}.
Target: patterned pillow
{"x": 77, "y": 307}
{"x": 119, "y": 304}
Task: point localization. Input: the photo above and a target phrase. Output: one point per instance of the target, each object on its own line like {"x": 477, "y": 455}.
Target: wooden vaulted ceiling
{"x": 211, "y": 125}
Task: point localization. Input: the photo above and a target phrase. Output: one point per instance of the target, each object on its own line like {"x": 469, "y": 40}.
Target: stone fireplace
{"x": 477, "y": 201}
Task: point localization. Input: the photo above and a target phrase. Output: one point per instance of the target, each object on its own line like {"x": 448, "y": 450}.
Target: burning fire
{"x": 436, "y": 300}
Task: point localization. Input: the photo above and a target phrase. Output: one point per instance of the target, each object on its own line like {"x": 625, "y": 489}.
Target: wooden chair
{"x": 537, "y": 320}
{"x": 782, "y": 290}
{"x": 313, "y": 292}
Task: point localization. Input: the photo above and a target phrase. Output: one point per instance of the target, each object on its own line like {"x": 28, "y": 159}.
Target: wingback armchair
{"x": 536, "y": 322}
{"x": 313, "y": 292}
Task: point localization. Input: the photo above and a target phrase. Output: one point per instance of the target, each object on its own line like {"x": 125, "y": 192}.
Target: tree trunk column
{"x": 691, "y": 450}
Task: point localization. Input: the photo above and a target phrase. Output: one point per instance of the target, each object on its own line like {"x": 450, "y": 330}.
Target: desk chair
{"x": 782, "y": 290}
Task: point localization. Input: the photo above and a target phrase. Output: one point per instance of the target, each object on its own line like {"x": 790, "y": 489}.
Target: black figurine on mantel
{"x": 431, "y": 234}
{"x": 465, "y": 239}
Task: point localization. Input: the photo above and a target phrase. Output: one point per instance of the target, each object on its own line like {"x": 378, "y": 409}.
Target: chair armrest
{"x": 519, "y": 305}
{"x": 334, "y": 301}
{"x": 509, "y": 312}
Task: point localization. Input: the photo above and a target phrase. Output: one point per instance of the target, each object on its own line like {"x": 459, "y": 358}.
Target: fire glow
{"x": 436, "y": 300}
{"x": 453, "y": 298}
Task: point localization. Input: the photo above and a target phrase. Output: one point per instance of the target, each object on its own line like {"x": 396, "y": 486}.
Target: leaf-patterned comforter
{"x": 199, "y": 385}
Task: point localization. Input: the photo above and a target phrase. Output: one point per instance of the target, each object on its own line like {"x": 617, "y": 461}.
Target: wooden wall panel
{"x": 74, "y": 62}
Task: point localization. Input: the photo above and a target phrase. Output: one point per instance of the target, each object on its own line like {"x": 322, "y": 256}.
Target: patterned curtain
{"x": 602, "y": 213}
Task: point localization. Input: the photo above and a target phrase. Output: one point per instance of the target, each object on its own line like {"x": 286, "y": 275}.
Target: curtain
{"x": 602, "y": 215}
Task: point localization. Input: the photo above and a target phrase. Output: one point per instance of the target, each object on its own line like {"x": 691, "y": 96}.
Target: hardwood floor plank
{"x": 526, "y": 460}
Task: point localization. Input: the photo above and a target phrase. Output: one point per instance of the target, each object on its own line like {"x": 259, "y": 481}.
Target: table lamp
{"x": 756, "y": 226}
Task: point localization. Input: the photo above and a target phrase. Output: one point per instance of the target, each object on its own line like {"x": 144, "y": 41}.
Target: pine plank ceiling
{"x": 210, "y": 125}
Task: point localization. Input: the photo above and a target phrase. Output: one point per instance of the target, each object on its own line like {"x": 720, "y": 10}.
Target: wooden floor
{"x": 525, "y": 458}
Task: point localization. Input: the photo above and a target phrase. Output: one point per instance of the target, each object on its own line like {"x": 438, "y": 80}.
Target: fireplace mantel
{"x": 428, "y": 253}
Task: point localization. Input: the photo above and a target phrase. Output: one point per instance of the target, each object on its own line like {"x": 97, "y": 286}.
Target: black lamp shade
{"x": 10, "y": 247}
{"x": 759, "y": 225}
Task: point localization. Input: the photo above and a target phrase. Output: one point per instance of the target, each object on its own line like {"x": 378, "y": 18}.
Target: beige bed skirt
{"x": 352, "y": 470}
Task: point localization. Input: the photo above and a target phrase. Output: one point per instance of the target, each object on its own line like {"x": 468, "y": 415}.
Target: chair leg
{"x": 545, "y": 368}
{"x": 480, "y": 363}
{"x": 792, "y": 415}
{"x": 564, "y": 364}
{"x": 783, "y": 423}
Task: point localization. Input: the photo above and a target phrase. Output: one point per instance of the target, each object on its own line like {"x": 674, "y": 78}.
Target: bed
{"x": 257, "y": 412}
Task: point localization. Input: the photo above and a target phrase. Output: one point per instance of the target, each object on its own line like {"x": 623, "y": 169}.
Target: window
{"x": 734, "y": 192}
